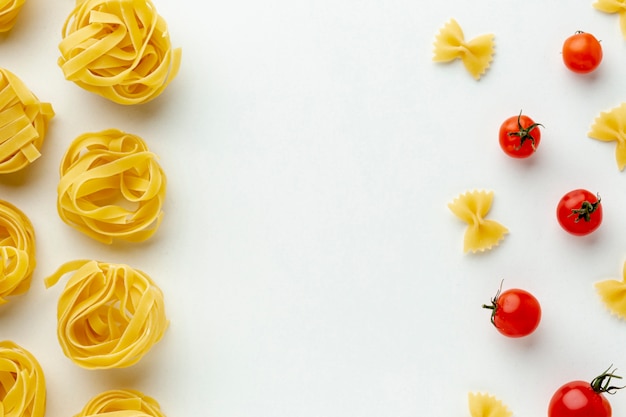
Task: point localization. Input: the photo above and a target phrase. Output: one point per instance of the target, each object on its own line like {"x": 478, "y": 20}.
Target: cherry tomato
{"x": 519, "y": 136}
{"x": 515, "y": 312}
{"x": 583, "y": 399}
{"x": 582, "y": 53}
{"x": 579, "y": 212}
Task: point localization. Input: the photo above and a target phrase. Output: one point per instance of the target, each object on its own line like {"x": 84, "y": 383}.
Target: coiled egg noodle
{"x": 22, "y": 382}
{"x": 17, "y": 251}
{"x": 119, "y": 49}
{"x": 121, "y": 403}
{"x": 23, "y": 123}
{"x": 111, "y": 187}
{"x": 9, "y": 9}
{"x": 108, "y": 315}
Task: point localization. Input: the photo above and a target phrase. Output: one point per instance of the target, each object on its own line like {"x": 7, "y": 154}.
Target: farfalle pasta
{"x": 476, "y": 54}
{"x": 485, "y": 405}
{"x": 481, "y": 234}
{"x": 119, "y": 49}
{"x": 22, "y": 382}
{"x": 17, "y": 251}
{"x": 111, "y": 187}
{"x": 109, "y": 315}
{"x": 23, "y": 123}
{"x": 9, "y": 10}
{"x": 614, "y": 6}
{"x": 610, "y": 126}
{"x": 122, "y": 403}
{"x": 612, "y": 292}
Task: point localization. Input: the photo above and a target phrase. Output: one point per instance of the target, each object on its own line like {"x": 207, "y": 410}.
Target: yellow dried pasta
{"x": 611, "y": 126}
{"x": 485, "y": 405}
{"x": 122, "y": 403}
{"x": 119, "y": 49}
{"x": 9, "y": 9}
{"x": 109, "y": 315}
{"x": 17, "y": 251}
{"x": 613, "y": 294}
{"x": 476, "y": 54}
{"x": 22, "y": 382}
{"x": 111, "y": 187}
{"x": 23, "y": 123}
{"x": 614, "y": 6}
{"x": 481, "y": 234}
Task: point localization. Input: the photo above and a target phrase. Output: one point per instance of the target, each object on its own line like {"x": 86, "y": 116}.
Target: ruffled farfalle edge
{"x": 486, "y": 405}
{"x": 612, "y": 293}
{"x": 609, "y": 126}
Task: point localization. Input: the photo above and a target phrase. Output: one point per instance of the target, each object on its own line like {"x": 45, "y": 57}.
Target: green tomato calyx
{"x": 585, "y": 210}
{"x": 602, "y": 383}
{"x": 525, "y": 134}
{"x": 494, "y": 304}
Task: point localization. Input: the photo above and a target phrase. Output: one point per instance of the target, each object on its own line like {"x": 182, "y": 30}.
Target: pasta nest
{"x": 22, "y": 382}
{"x": 119, "y": 49}
{"x": 127, "y": 403}
{"x": 23, "y": 123}
{"x": 9, "y": 9}
{"x": 111, "y": 187}
{"x": 17, "y": 251}
{"x": 109, "y": 315}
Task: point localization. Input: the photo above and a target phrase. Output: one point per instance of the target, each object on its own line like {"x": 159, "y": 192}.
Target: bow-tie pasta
{"x": 125, "y": 403}
{"x": 22, "y": 382}
{"x": 9, "y": 9}
{"x": 476, "y": 54}
{"x": 614, "y": 6}
{"x": 613, "y": 294}
{"x": 611, "y": 126}
{"x": 481, "y": 234}
{"x": 485, "y": 405}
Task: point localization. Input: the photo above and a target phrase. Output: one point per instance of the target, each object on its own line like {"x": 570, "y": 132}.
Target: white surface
{"x": 309, "y": 262}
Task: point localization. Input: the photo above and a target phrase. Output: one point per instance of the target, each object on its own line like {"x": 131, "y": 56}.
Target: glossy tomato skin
{"x": 579, "y": 212}
{"x": 516, "y": 312}
{"x": 578, "y": 399}
{"x": 519, "y": 136}
{"x": 582, "y": 53}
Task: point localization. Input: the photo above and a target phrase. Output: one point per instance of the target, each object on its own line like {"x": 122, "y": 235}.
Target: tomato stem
{"x": 524, "y": 134}
{"x": 601, "y": 383}
{"x": 585, "y": 210}
{"x": 494, "y": 304}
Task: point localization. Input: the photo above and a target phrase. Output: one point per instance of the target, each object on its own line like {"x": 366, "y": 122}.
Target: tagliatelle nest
{"x": 125, "y": 403}
{"x": 22, "y": 382}
{"x": 9, "y": 9}
{"x": 119, "y": 49}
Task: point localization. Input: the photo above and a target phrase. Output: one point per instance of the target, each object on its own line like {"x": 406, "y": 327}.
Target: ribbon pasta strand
{"x": 122, "y": 403}
{"x": 23, "y": 123}
{"x": 9, "y": 9}
{"x": 109, "y": 315}
{"x": 613, "y": 294}
{"x": 481, "y": 234}
{"x": 476, "y": 54}
{"x": 485, "y": 405}
{"x": 614, "y": 6}
{"x": 22, "y": 382}
{"x": 17, "y": 251}
{"x": 111, "y": 187}
{"x": 118, "y": 49}
{"x": 611, "y": 126}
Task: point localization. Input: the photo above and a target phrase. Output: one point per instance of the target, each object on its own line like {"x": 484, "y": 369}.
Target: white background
{"x": 308, "y": 259}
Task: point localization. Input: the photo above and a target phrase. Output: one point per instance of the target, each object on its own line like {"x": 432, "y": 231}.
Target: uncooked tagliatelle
{"x": 22, "y": 382}
{"x": 111, "y": 187}
{"x": 9, "y": 9}
{"x": 119, "y": 49}
{"x": 122, "y": 403}
{"x": 109, "y": 315}
{"x": 17, "y": 251}
{"x": 23, "y": 123}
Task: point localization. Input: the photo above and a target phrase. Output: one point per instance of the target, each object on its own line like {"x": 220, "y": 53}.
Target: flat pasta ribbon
{"x": 22, "y": 382}
{"x": 111, "y": 187}
{"x": 121, "y": 403}
{"x": 476, "y": 54}
{"x": 614, "y": 6}
{"x": 9, "y": 9}
{"x": 481, "y": 234}
{"x": 17, "y": 251}
{"x": 611, "y": 126}
{"x": 109, "y": 315}
{"x": 485, "y": 405}
{"x": 119, "y": 49}
{"x": 613, "y": 294}
{"x": 23, "y": 123}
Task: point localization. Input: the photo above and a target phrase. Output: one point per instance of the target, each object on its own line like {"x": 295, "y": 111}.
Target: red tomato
{"x": 582, "y": 53}
{"x": 583, "y": 399}
{"x": 579, "y": 212}
{"x": 515, "y": 312}
{"x": 519, "y": 136}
